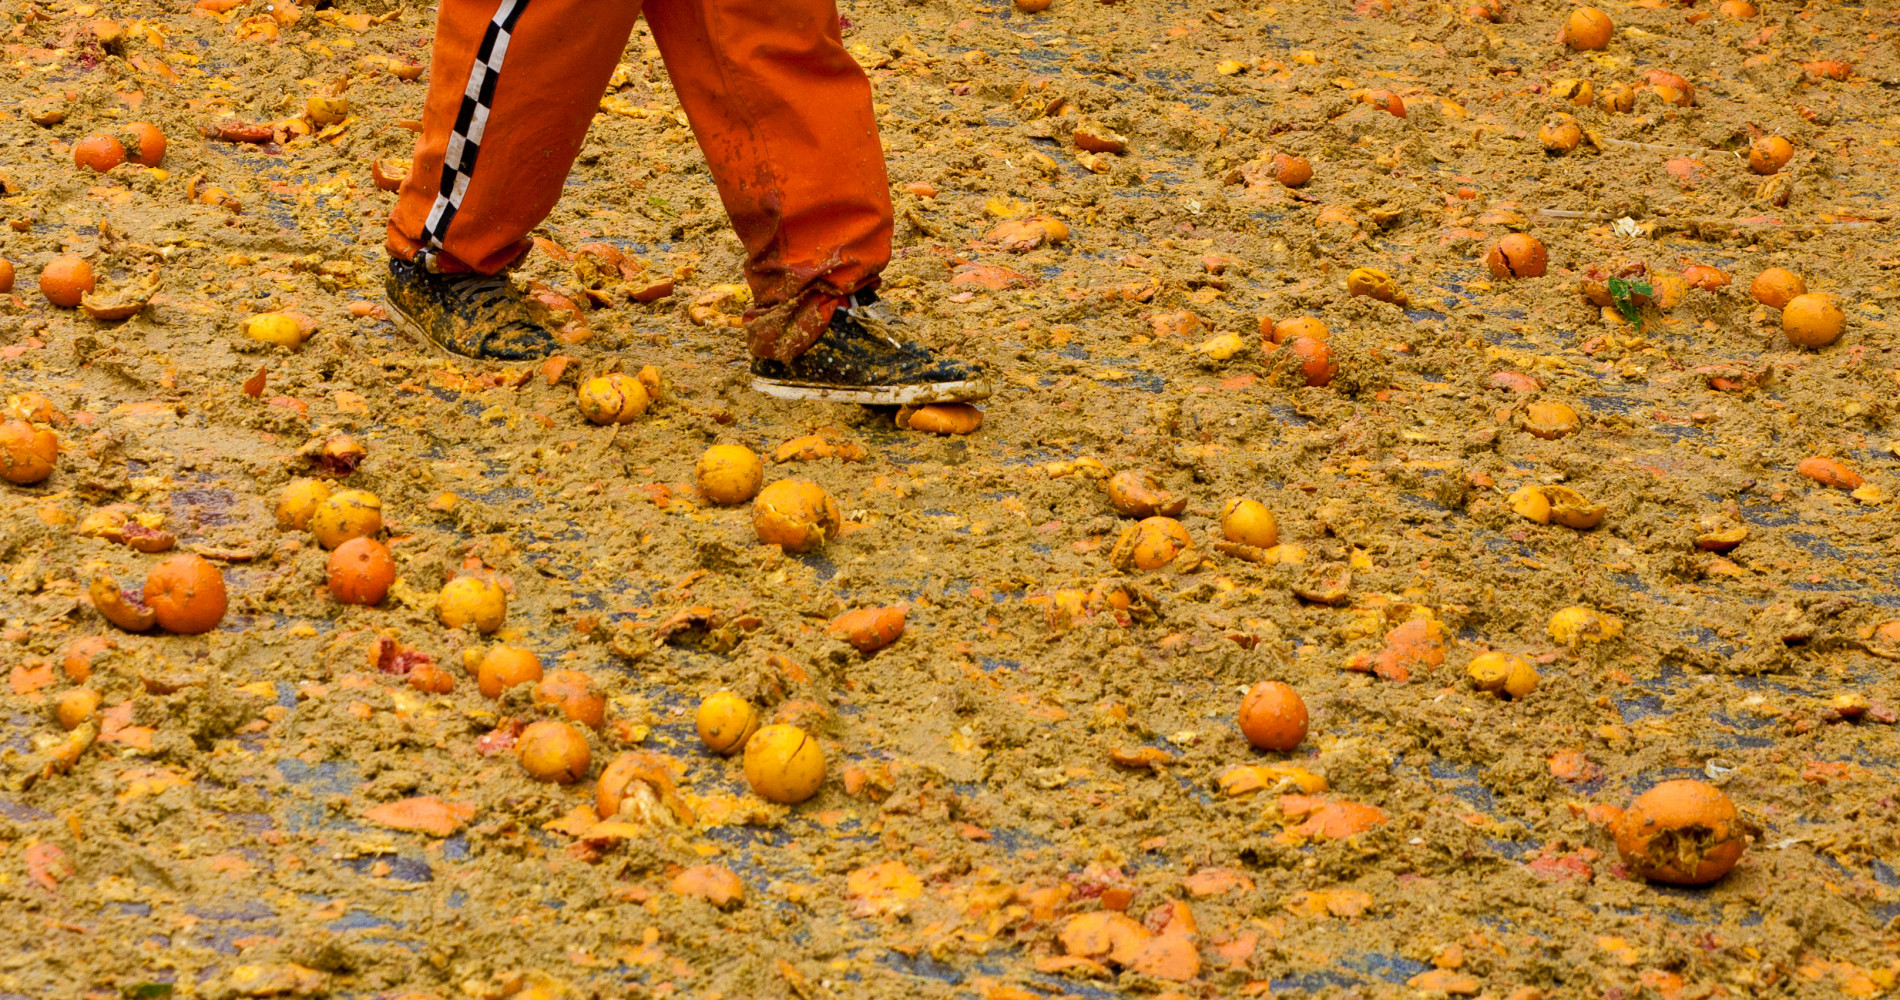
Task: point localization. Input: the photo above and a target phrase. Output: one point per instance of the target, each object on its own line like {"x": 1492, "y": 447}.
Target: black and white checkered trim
{"x": 458, "y": 161}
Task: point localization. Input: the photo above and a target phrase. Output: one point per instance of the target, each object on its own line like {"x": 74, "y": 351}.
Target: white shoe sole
{"x": 892, "y": 395}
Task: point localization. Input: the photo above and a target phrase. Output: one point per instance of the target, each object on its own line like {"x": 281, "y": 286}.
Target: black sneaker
{"x": 858, "y": 361}
{"x": 473, "y": 315}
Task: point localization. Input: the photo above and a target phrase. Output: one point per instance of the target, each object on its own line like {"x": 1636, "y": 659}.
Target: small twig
{"x": 1686, "y": 223}
{"x": 1819, "y": 227}
{"x": 1657, "y": 147}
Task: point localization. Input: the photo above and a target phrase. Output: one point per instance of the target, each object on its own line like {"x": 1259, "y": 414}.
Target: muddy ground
{"x": 217, "y": 842}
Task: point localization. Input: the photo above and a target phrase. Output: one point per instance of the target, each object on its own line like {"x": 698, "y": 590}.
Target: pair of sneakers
{"x": 857, "y": 360}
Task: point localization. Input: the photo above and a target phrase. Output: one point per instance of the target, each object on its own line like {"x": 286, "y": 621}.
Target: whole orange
{"x": 784, "y": 764}
{"x": 725, "y": 721}
{"x": 100, "y": 152}
{"x": 74, "y": 706}
{"x": 1774, "y": 287}
{"x": 553, "y": 751}
{"x": 1249, "y": 522}
{"x": 1769, "y": 154}
{"x": 1587, "y": 29}
{"x": 186, "y": 594}
{"x": 1812, "y": 320}
{"x": 1290, "y": 170}
{"x": 729, "y": 473}
{"x": 504, "y": 667}
{"x": 361, "y": 571}
{"x": 472, "y": 600}
{"x": 66, "y": 280}
{"x": 1316, "y": 360}
{"x": 1560, "y": 133}
{"x": 1273, "y": 716}
{"x": 1681, "y": 832}
{"x": 1158, "y": 540}
{"x": 1518, "y": 256}
{"x": 795, "y": 514}
{"x": 27, "y": 453}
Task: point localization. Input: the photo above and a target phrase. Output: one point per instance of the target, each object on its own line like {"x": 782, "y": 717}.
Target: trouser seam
{"x": 722, "y": 63}
{"x": 471, "y": 122}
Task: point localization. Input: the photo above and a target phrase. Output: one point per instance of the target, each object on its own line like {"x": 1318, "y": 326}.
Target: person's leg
{"x": 784, "y": 117}
{"x": 513, "y": 86}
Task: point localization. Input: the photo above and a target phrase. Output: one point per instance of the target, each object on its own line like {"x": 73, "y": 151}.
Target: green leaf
{"x": 148, "y": 991}
{"x": 1622, "y": 292}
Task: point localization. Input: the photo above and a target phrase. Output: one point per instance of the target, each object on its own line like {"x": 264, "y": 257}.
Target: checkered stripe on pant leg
{"x": 471, "y": 120}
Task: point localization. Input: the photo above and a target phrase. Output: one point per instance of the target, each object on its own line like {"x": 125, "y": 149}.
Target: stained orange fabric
{"x": 782, "y": 114}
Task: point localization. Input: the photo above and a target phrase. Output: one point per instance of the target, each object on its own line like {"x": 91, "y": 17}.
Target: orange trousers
{"x": 782, "y": 114}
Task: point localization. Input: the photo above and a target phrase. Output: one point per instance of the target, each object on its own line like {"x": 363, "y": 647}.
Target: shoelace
{"x": 466, "y": 288}
{"x": 873, "y": 319}
{"x": 491, "y": 292}
{"x": 487, "y": 288}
